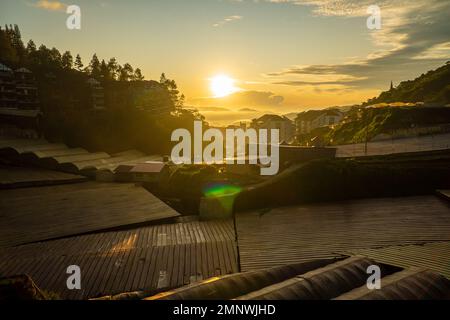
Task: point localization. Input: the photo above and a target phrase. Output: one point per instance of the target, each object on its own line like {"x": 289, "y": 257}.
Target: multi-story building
{"x": 97, "y": 94}
{"x": 7, "y": 87}
{"x": 19, "y": 105}
{"x": 271, "y": 121}
{"x": 312, "y": 119}
{"x": 18, "y": 89}
{"x": 26, "y": 90}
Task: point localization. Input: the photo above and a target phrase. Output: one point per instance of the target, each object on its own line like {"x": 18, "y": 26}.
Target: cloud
{"x": 252, "y": 98}
{"x": 243, "y": 99}
{"x": 227, "y": 20}
{"x": 414, "y": 37}
{"x": 214, "y": 109}
{"x": 50, "y": 5}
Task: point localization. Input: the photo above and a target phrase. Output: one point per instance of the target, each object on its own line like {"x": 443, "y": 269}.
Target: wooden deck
{"x": 149, "y": 258}
{"x": 19, "y": 177}
{"x": 35, "y": 214}
{"x": 301, "y": 233}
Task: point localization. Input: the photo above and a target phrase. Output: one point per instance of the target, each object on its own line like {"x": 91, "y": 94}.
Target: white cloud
{"x": 414, "y": 36}
{"x": 228, "y": 20}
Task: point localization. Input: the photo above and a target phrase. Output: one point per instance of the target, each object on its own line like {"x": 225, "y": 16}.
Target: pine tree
{"x": 78, "y": 63}
{"x": 31, "y": 47}
{"x": 113, "y": 68}
{"x": 56, "y": 58}
{"x": 126, "y": 72}
{"x": 67, "y": 60}
{"x": 94, "y": 66}
{"x": 8, "y": 53}
{"x": 138, "y": 75}
{"x": 104, "y": 72}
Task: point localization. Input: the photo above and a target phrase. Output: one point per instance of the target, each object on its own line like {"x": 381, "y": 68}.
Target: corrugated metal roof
{"x": 239, "y": 284}
{"x": 74, "y": 160}
{"x": 433, "y": 256}
{"x": 147, "y": 167}
{"x": 410, "y": 284}
{"x": 149, "y": 258}
{"x": 318, "y": 280}
{"x": 292, "y": 234}
{"x": 321, "y": 284}
{"x": 19, "y": 177}
{"x": 36, "y": 214}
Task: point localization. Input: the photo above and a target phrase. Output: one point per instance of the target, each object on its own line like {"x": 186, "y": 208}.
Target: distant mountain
{"x": 432, "y": 87}
{"x": 291, "y": 116}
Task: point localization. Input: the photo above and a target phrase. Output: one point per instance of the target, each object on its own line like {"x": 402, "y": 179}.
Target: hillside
{"x": 431, "y": 87}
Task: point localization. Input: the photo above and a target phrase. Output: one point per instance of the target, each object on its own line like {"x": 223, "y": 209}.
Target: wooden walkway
{"x": 35, "y": 214}
{"x": 149, "y": 258}
{"x": 294, "y": 234}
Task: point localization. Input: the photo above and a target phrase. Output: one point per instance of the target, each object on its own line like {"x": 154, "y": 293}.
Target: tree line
{"x": 130, "y": 119}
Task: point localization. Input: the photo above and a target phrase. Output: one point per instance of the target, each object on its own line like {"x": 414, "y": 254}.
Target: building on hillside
{"x": 20, "y": 115}
{"x": 26, "y": 90}
{"x": 271, "y": 121}
{"x": 18, "y": 89}
{"x": 312, "y": 119}
{"x": 7, "y": 87}
{"x": 97, "y": 94}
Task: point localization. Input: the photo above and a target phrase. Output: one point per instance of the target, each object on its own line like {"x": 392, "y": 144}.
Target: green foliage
{"x": 65, "y": 98}
{"x": 433, "y": 87}
{"x": 370, "y": 122}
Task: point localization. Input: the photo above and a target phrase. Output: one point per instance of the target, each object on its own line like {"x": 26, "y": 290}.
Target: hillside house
{"x": 312, "y": 119}
{"x": 271, "y": 121}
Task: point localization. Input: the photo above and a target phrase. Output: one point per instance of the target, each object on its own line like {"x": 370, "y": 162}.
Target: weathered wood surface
{"x": 148, "y": 258}
{"x": 34, "y": 214}
{"x": 300, "y": 233}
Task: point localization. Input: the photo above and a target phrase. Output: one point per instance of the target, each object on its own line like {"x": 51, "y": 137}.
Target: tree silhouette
{"x": 94, "y": 67}
{"x": 138, "y": 75}
{"x": 78, "y": 63}
{"x": 113, "y": 68}
{"x": 67, "y": 60}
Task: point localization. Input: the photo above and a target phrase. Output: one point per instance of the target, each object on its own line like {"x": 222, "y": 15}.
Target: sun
{"x": 222, "y": 86}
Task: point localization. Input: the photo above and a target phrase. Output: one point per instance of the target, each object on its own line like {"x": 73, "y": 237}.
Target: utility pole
{"x": 367, "y": 131}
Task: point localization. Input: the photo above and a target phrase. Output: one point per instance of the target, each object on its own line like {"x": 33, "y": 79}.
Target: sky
{"x": 283, "y": 55}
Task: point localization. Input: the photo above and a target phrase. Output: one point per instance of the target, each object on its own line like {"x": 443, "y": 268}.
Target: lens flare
{"x": 220, "y": 190}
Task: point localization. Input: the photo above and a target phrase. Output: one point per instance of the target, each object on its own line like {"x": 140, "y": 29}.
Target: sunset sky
{"x": 282, "y": 55}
